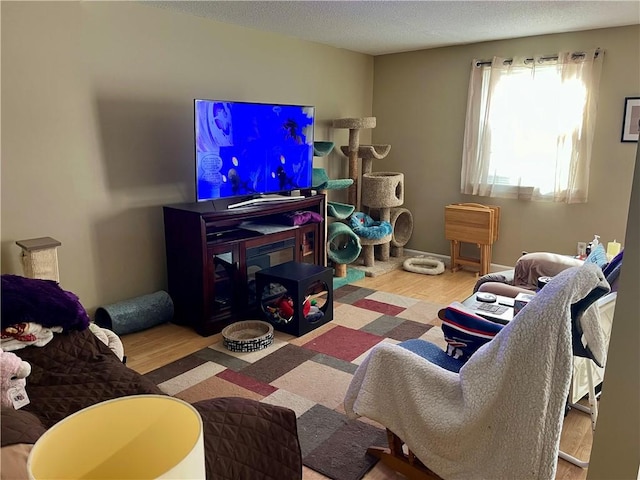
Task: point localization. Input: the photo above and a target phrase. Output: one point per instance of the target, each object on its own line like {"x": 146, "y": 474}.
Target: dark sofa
{"x": 244, "y": 439}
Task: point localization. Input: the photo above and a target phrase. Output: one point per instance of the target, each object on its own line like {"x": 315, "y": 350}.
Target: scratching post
{"x": 40, "y": 258}
{"x": 368, "y": 250}
{"x": 354, "y": 125}
{"x": 340, "y": 270}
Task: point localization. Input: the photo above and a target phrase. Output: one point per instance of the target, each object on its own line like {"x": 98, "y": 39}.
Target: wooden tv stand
{"x": 211, "y": 260}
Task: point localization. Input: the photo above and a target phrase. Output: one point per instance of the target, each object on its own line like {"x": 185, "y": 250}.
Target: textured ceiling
{"x": 380, "y": 27}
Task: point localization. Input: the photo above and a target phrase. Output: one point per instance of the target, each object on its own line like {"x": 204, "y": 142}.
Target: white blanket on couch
{"x": 501, "y": 417}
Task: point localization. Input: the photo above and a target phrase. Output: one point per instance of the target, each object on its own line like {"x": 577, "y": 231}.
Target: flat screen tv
{"x": 248, "y": 149}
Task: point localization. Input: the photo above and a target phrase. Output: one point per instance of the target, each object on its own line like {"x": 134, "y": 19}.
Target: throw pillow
{"x": 464, "y": 331}
{"x": 42, "y": 302}
{"x": 598, "y": 256}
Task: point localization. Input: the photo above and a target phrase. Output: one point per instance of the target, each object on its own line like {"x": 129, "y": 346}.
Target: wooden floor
{"x": 161, "y": 345}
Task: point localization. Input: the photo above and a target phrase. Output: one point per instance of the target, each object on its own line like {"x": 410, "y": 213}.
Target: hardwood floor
{"x": 153, "y": 348}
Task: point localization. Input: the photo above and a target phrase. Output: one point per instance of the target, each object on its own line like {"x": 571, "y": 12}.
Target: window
{"x": 529, "y": 127}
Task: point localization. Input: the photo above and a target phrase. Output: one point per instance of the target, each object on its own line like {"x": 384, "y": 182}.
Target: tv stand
{"x": 211, "y": 260}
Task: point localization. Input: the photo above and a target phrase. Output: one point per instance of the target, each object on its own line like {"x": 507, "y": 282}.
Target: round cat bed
{"x": 366, "y": 227}
{"x": 383, "y": 189}
{"x": 424, "y": 265}
{"x": 247, "y": 336}
{"x": 136, "y": 314}
{"x": 342, "y": 250}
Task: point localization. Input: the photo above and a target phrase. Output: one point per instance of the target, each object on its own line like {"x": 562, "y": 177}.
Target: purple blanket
{"x": 42, "y": 302}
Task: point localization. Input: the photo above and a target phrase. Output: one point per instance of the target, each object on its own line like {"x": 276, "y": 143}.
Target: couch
{"x": 243, "y": 439}
{"x": 524, "y": 279}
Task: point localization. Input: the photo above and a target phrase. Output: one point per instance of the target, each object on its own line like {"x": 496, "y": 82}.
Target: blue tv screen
{"x": 252, "y": 148}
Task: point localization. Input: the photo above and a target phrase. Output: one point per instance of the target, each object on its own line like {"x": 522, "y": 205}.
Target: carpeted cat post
{"x": 354, "y": 125}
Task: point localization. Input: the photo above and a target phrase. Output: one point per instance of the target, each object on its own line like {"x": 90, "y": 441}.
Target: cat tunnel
{"x": 136, "y": 314}
{"x": 344, "y": 246}
{"x": 401, "y": 220}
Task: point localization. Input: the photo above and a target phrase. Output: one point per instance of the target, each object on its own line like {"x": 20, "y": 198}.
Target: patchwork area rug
{"x": 310, "y": 374}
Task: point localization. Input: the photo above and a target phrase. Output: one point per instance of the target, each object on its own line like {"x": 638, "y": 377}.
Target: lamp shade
{"x": 136, "y": 437}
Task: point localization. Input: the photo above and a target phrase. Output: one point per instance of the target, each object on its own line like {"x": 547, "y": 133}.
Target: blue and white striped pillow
{"x": 464, "y": 331}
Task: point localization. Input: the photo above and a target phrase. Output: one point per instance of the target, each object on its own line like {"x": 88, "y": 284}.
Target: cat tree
{"x": 343, "y": 244}
{"x": 382, "y": 192}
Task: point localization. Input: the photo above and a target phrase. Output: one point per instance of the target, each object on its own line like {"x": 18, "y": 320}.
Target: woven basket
{"x": 247, "y": 336}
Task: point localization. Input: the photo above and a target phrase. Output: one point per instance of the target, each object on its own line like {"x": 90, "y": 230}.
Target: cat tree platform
{"x": 368, "y": 153}
{"x": 321, "y": 181}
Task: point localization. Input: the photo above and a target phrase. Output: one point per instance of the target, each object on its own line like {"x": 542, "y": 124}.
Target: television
{"x": 251, "y": 149}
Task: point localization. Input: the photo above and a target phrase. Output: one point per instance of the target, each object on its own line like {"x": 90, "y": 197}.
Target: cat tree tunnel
{"x": 344, "y": 246}
{"x": 401, "y": 220}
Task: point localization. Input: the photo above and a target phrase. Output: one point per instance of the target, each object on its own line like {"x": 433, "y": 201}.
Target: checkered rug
{"x": 310, "y": 374}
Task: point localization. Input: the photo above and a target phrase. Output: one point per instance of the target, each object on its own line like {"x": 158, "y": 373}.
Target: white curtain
{"x": 529, "y": 127}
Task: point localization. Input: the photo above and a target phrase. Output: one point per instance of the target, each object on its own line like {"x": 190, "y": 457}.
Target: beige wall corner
{"x": 616, "y": 444}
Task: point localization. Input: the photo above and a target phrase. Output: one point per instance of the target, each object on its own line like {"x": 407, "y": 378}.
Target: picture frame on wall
{"x": 631, "y": 120}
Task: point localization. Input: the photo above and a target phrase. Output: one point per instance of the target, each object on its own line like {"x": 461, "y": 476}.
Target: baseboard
{"x": 495, "y": 267}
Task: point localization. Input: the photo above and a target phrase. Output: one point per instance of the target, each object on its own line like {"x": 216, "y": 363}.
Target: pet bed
{"x": 365, "y": 226}
{"x": 425, "y": 265}
{"x": 247, "y": 336}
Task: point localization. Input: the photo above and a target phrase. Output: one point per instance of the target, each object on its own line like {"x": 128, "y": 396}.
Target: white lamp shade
{"x": 137, "y": 437}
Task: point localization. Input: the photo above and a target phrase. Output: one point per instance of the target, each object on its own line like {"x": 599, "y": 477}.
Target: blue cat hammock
{"x": 322, "y": 149}
{"x": 321, "y": 181}
{"x": 339, "y": 210}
